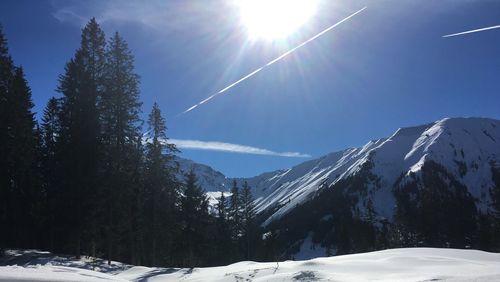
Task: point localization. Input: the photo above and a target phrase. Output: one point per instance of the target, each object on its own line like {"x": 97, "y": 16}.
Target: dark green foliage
{"x": 234, "y": 212}
{"x": 223, "y": 234}
{"x": 21, "y": 157}
{"x": 161, "y": 193}
{"x": 80, "y": 137}
{"x": 437, "y": 209}
{"x": 487, "y": 234}
{"x": 250, "y": 235}
{"x": 495, "y": 215}
{"x": 195, "y": 241}
{"x": 495, "y": 191}
{"x": 50, "y": 129}
{"x": 119, "y": 108}
{"x": 6, "y": 75}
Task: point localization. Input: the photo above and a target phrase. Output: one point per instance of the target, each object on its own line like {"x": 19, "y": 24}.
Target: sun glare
{"x": 275, "y": 19}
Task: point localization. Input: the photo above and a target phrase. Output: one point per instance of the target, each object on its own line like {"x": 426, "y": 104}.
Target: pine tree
{"x": 223, "y": 235}
{"x": 222, "y": 207}
{"x": 82, "y": 86}
{"x": 22, "y": 159}
{"x": 235, "y": 220}
{"x": 6, "y": 75}
{"x": 494, "y": 217}
{"x": 120, "y": 107}
{"x": 50, "y": 129}
{"x": 161, "y": 188}
{"x": 249, "y": 227}
{"x": 194, "y": 208}
{"x": 136, "y": 212}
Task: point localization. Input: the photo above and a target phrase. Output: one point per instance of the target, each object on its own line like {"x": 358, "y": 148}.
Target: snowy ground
{"x": 416, "y": 264}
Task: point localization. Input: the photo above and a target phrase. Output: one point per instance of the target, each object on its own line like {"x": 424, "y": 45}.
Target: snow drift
{"x": 413, "y": 264}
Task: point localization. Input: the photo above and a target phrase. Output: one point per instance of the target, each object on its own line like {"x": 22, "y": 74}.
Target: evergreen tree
{"x": 21, "y": 157}
{"x": 234, "y": 213}
{"x": 194, "y": 209}
{"x": 136, "y": 211}
{"x": 6, "y": 75}
{"x": 120, "y": 107}
{"x": 249, "y": 227}
{"x": 161, "y": 188}
{"x": 222, "y": 208}
{"x": 494, "y": 217}
{"x": 223, "y": 235}
{"x": 82, "y": 86}
{"x": 50, "y": 129}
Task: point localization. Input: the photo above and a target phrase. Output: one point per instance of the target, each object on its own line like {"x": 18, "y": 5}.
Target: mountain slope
{"x": 209, "y": 179}
{"x": 432, "y": 185}
{"x": 466, "y": 147}
{"x": 436, "y": 185}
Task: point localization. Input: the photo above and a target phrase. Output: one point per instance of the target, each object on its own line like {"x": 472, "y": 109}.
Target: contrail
{"x": 270, "y": 63}
{"x": 472, "y": 31}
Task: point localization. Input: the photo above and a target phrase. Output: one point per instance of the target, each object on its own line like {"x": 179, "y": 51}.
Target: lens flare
{"x": 275, "y": 19}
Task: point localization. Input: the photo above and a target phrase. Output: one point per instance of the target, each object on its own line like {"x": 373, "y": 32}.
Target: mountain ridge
{"x": 414, "y": 142}
{"x": 377, "y": 195}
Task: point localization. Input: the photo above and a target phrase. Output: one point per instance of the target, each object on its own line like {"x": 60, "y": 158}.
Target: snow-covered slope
{"x": 34, "y": 265}
{"x": 389, "y": 265}
{"x": 413, "y": 264}
{"x": 284, "y": 189}
{"x": 466, "y": 147}
{"x": 209, "y": 179}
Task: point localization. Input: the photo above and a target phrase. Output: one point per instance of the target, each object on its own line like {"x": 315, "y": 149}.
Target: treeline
{"x": 87, "y": 181}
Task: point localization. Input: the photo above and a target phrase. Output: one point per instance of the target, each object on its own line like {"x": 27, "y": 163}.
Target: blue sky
{"x": 388, "y": 67}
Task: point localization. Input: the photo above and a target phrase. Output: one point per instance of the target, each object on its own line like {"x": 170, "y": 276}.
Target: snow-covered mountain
{"x": 466, "y": 147}
{"x": 436, "y": 184}
{"x": 209, "y": 179}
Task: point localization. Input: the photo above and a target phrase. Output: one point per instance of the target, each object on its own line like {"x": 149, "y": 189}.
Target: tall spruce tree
{"x": 50, "y": 129}
{"x": 22, "y": 159}
{"x": 234, "y": 214}
{"x": 249, "y": 227}
{"x": 223, "y": 233}
{"x": 161, "y": 191}
{"x": 82, "y": 86}
{"x": 6, "y": 75}
{"x": 119, "y": 106}
{"x": 195, "y": 220}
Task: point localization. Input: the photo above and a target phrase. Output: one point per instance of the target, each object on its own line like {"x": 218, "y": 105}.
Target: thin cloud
{"x": 157, "y": 15}
{"x": 67, "y": 14}
{"x": 152, "y": 14}
{"x": 232, "y": 148}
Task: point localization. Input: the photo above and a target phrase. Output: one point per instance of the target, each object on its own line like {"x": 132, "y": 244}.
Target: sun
{"x": 275, "y": 19}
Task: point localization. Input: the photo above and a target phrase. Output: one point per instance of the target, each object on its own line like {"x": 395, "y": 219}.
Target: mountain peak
{"x": 464, "y": 146}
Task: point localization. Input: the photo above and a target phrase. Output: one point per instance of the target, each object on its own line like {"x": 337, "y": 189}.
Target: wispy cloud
{"x": 68, "y": 14}
{"x": 157, "y": 15}
{"x": 232, "y": 148}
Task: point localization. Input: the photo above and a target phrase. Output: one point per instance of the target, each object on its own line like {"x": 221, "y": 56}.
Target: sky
{"x": 387, "y": 67}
